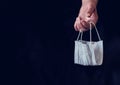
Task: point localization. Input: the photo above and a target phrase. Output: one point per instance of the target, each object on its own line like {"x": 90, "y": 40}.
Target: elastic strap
{"x": 81, "y": 33}
{"x": 90, "y": 32}
{"x": 96, "y": 31}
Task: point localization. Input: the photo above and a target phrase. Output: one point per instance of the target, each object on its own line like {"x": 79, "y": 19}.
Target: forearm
{"x": 92, "y": 2}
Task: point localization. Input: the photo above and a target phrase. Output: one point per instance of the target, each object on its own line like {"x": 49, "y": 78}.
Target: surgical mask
{"x": 88, "y": 53}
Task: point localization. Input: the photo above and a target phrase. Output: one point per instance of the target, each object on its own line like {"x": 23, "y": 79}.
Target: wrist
{"x": 92, "y": 3}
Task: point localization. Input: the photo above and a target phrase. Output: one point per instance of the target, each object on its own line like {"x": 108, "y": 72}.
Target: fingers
{"x": 81, "y": 25}
{"x": 75, "y": 25}
{"x": 85, "y": 24}
{"x": 93, "y": 18}
{"x": 78, "y": 26}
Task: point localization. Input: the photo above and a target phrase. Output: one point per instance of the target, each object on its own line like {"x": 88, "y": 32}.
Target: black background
{"x": 37, "y": 43}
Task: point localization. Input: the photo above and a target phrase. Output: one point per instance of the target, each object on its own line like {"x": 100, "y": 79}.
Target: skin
{"x": 87, "y": 14}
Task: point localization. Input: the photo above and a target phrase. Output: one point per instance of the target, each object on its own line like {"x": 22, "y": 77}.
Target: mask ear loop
{"x": 80, "y": 33}
{"x": 90, "y": 32}
{"x": 92, "y": 23}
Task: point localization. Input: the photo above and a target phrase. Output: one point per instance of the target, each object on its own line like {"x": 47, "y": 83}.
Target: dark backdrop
{"x": 37, "y": 44}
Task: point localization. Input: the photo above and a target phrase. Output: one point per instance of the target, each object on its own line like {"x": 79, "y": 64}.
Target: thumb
{"x": 90, "y": 11}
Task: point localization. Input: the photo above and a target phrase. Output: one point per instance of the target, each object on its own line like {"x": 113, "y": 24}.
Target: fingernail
{"x": 88, "y": 15}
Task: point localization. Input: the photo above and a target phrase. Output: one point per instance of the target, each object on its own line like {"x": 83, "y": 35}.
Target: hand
{"x": 87, "y": 14}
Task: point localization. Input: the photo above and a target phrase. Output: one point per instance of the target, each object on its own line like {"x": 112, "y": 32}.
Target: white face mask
{"x": 88, "y": 53}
